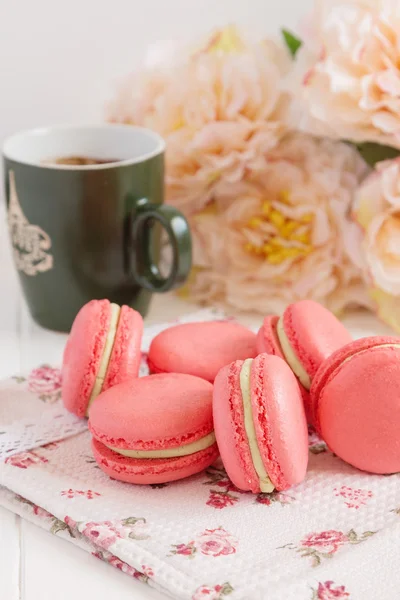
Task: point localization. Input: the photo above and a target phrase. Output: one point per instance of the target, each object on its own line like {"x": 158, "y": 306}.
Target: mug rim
{"x": 159, "y": 149}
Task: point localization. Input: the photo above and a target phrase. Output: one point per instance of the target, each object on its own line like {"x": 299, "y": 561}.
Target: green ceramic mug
{"x": 90, "y": 231}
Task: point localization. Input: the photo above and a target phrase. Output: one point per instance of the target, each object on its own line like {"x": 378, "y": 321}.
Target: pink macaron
{"x": 305, "y": 336}
{"x": 260, "y": 424}
{"x": 355, "y": 398}
{"x": 200, "y": 349}
{"x": 103, "y": 349}
{"x": 154, "y": 429}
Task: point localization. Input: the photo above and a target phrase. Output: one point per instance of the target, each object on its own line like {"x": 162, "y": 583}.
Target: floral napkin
{"x": 335, "y": 536}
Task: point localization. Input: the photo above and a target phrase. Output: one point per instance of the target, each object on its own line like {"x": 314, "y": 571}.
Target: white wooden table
{"x": 35, "y": 565}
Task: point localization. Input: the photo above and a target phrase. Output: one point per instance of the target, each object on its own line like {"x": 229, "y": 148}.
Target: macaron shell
{"x": 329, "y": 366}
{"x": 83, "y": 353}
{"x": 314, "y": 333}
{"x": 267, "y": 338}
{"x": 149, "y": 471}
{"x": 201, "y": 349}
{"x": 126, "y": 355}
{"x": 154, "y": 412}
{"x": 359, "y": 410}
{"x": 230, "y": 429}
{"x": 268, "y": 341}
{"x": 279, "y": 420}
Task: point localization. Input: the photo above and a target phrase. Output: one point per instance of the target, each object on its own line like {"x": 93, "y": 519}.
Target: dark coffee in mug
{"x": 80, "y": 160}
{"x": 82, "y": 227}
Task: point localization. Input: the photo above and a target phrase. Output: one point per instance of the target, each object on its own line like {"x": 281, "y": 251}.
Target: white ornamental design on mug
{"x": 30, "y": 243}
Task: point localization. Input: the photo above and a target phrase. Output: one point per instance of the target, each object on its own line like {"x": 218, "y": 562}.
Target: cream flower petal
{"x": 280, "y": 233}
{"x": 383, "y": 251}
{"x": 220, "y": 108}
{"x": 351, "y": 88}
{"x": 387, "y": 307}
{"x": 391, "y": 182}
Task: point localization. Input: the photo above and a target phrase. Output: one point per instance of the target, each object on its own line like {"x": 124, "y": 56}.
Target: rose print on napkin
{"x": 354, "y": 497}
{"x": 204, "y": 592}
{"x": 325, "y": 544}
{"x": 45, "y": 382}
{"x": 212, "y": 542}
{"x": 329, "y": 591}
{"x": 143, "y": 576}
{"x": 104, "y": 534}
{"x": 24, "y": 460}
{"x": 226, "y": 494}
{"x": 88, "y": 494}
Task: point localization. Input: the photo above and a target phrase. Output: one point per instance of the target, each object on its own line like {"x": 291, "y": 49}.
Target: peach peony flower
{"x": 351, "y": 83}
{"x": 220, "y": 109}
{"x": 377, "y": 211}
{"x": 280, "y": 236}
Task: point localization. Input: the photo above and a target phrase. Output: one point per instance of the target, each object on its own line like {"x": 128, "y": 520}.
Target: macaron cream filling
{"x": 105, "y": 359}
{"x": 291, "y": 356}
{"x": 202, "y": 444}
{"x": 266, "y": 484}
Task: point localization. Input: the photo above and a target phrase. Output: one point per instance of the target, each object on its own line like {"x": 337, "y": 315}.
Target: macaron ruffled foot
{"x": 103, "y": 349}
{"x": 355, "y": 398}
{"x": 260, "y": 424}
{"x": 304, "y": 336}
{"x": 154, "y": 429}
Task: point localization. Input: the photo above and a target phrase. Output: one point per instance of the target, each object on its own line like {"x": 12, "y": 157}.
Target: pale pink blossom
{"x": 216, "y": 542}
{"x": 205, "y": 592}
{"x": 349, "y": 71}
{"x": 220, "y": 108}
{"x": 122, "y": 566}
{"x": 329, "y": 591}
{"x": 24, "y": 460}
{"x": 89, "y": 494}
{"x": 354, "y": 497}
{"x": 377, "y": 213}
{"x": 41, "y": 512}
{"x": 326, "y": 541}
{"x": 44, "y": 380}
{"x": 103, "y": 534}
{"x": 72, "y": 524}
{"x": 281, "y": 235}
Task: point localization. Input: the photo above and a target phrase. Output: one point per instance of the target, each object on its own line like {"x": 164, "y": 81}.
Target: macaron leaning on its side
{"x": 260, "y": 424}
{"x": 103, "y": 349}
{"x": 305, "y": 335}
{"x": 200, "y": 349}
{"x": 154, "y": 429}
{"x": 356, "y": 403}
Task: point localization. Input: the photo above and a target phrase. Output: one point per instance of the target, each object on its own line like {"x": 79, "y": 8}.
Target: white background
{"x": 59, "y": 60}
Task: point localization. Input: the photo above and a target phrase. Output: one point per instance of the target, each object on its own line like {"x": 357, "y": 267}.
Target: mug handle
{"x": 145, "y": 270}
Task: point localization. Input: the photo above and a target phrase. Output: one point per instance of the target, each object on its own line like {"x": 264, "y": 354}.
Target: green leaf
{"x": 226, "y": 589}
{"x": 133, "y": 520}
{"x": 59, "y": 526}
{"x": 352, "y": 536}
{"x": 292, "y": 42}
{"x": 318, "y": 448}
{"x": 373, "y": 153}
{"x": 135, "y": 536}
{"x": 367, "y": 534}
{"x": 316, "y": 560}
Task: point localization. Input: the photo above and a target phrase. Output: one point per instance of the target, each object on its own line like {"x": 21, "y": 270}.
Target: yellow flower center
{"x": 226, "y": 40}
{"x": 274, "y": 237}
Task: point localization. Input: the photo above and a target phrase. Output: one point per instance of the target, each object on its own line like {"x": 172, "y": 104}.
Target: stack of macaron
{"x": 218, "y": 388}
